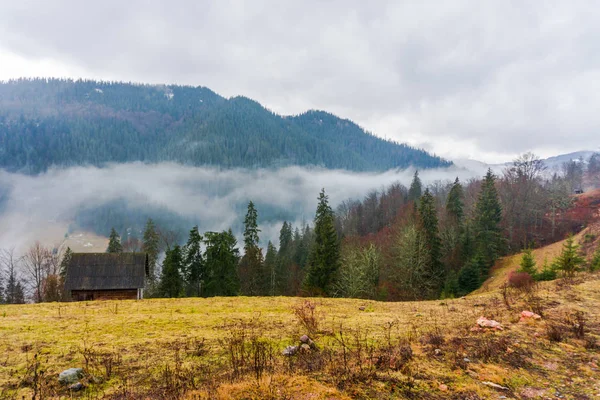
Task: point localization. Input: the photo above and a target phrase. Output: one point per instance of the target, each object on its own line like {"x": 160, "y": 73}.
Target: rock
{"x": 76, "y": 387}
{"x": 304, "y": 339}
{"x": 70, "y": 375}
{"x": 489, "y": 323}
{"x": 494, "y": 385}
{"x": 437, "y": 352}
{"x": 526, "y": 315}
{"x": 443, "y": 388}
{"x": 305, "y": 347}
{"x": 362, "y": 308}
{"x": 467, "y": 360}
{"x": 290, "y": 350}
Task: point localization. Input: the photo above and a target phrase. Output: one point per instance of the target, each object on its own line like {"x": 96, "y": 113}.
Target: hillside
{"x": 589, "y": 239}
{"x": 232, "y": 347}
{"x": 46, "y": 123}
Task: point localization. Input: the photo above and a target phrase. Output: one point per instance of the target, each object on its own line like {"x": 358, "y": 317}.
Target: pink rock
{"x": 525, "y": 315}
{"x": 489, "y": 323}
{"x": 443, "y": 388}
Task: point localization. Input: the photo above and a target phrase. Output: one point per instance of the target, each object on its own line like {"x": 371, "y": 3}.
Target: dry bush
{"x": 555, "y": 332}
{"x": 308, "y": 316}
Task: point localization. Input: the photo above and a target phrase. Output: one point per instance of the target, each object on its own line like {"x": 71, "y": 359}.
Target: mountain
{"x": 553, "y": 164}
{"x": 56, "y": 122}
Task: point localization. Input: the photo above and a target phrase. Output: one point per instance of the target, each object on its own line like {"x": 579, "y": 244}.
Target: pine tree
{"x": 193, "y": 264}
{"x": 528, "y": 263}
{"x": 14, "y": 292}
{"x": 451, "y": 286}
{"x": 114, "y": 242}
{"x": 271, "y": 269}
{"x": 454, "y": 202}
{"x": 488, "y": 214}
{"x": 429, "y": 226}
{"x": 150, "y": 246}
{"x": 64, "y": 263}
{"x": 416, "y": 188}
{"x": 284, "y": 259}
{"x": 2, "y": 299}
{"x": 171, "y": 283}
{"x": 570, "y": 260}
{"x": 253, "y": 278}
{"x": 324, "y": 259}
{"x": 221, "y": 259}
{"x": 470, "y": 276}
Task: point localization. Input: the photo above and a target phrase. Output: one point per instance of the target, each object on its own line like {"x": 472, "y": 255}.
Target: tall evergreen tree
{"x": 171, "y": 283}
{"x": 150, "y": 246}
{"x": 221, "y": 258}
{"x": 284, "y": 259}
{"x": 14, "y": 292}
{"x": 254, "y": 280}
{"x": 193, "y": 265}
{"x": 470, "y": 276}
{"x": 416, "y": 188}
{"x": 488, "y": 214}
{"x": 114, "y": 242}
{"x": 64, "y": 263}
{"x": 429, "y": 226}
{"x": 2, "y": 299}
{"x": 324, "y": 257}
{"x": 271, "y": 269}
{"x": 454, "y": 202}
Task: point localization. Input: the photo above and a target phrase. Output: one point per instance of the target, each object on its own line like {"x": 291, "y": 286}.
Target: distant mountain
{"x": 552, "y": 164}
{"x": 55, "y": 122}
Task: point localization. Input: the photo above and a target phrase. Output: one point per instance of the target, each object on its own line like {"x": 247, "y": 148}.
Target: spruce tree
{"x": 221, "y": 260}
{"x": 470, "y": 276}
{"x": 150, "y": 246}
{"x": 454, "y": 202}
{"x": 416, "y": 188}
{"x": 271, "y": 269}
{"x": 64, "y": 263}
{"x": 528, "y": 263}
{"x": 429, "y": 226}
{"x": 451, "y": 286}
{"x": 488, "y": 214}
{"x": 253, "y": 277}
{"x": 171, "y": 283}
{"x": 2, "y": 299}
{"x": 193, "y": 264}
{"x": 14, "y": 292}
{"x": 284, "y": 259}
{"x": 114, "y": 242}
{"x": 324, "y": 259}
{"x": 570, "y": 260}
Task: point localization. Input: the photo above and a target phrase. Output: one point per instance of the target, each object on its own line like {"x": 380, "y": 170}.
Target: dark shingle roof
{"x": 105, "y": 271}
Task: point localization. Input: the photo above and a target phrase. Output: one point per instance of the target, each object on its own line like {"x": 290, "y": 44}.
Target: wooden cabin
{"x": 106, "y": 276}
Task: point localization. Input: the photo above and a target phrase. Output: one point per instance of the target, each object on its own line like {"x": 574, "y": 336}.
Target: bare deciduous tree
{"x": 37, "y": 265}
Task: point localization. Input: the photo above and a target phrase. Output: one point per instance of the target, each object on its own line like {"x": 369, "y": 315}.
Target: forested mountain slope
{"x": 46, "y": 123}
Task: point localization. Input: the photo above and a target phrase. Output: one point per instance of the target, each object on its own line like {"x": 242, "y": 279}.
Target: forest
{"x": 47, "y": 123}
{"x": 422, "y": 242}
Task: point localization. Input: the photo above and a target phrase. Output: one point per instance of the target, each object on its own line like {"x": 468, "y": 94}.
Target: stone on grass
{"x": 76, "y": 386}
{"x": 304, "y": 339}
{"x": 70, "y": 375}
{"x": 494, "y": 385}
{"x": 527, "y": 315}
{"x": 483, "y": 322}
{"x": 290, "y": 350}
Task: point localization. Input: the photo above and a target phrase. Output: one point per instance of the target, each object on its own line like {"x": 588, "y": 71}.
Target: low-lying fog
{"x": 43, "y": 207}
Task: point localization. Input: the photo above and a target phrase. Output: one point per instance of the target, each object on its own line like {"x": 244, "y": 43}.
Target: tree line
{"x": 420, "y": 242}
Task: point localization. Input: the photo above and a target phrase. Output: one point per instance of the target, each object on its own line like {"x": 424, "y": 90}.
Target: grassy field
{"x": 232, "y": 347}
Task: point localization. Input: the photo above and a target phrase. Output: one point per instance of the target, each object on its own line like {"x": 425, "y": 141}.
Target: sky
{"x": 485, "y": 80}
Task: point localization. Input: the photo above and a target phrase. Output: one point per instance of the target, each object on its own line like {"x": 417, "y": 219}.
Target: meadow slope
{"x": 232, "y": 347}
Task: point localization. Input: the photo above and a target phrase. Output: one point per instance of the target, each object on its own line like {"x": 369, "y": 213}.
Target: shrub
{"x": 570, "y": 259}
{"x": 528, "y": 263}
{"x": 595, "y": 263}
{"x": 308, "y": 317}
{"x": 520, "y": 280}
{"x": 548, "y": 273}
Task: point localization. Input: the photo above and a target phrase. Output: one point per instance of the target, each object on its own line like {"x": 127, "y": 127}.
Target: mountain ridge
{"x": 54, "y": 122}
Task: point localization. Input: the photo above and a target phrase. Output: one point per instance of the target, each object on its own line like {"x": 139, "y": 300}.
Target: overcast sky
{"x": 464, "y": 79}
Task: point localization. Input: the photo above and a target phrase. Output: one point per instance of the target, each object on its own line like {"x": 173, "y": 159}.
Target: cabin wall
{"x": 121, "y": 294}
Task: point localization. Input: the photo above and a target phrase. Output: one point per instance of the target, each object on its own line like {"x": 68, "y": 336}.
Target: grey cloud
{"x": 40, "y": 206}
{"x": 506, "y": 76}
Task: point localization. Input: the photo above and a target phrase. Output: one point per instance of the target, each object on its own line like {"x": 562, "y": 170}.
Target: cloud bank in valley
{"x": 40, "y": 207}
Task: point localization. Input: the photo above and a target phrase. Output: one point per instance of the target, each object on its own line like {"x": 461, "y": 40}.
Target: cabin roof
{"x": 106, "y": 271}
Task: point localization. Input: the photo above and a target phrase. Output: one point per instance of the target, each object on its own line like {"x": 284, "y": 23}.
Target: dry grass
{"x": 180, "y": 348}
